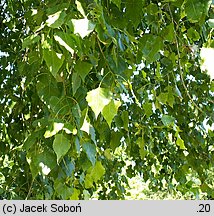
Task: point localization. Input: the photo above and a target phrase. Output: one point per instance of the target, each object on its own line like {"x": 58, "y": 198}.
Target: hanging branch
{"x": 179, "y": 64}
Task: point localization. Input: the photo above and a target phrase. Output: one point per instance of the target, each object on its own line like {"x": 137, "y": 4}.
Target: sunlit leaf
{"x": 55, "y": 128}
{"x": 110, "y": 110}
{"x": 56, "y": 20}
{"x": 207, "y": 61}
{"x": 83, "y": 27}
{"x": 65, "y": 40}
{"x": 97, "y": 171}
{"x": 97, "y": 99}
{"x": 180, "y": 143}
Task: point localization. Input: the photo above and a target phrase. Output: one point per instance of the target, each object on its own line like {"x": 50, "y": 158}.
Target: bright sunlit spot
{"x": 207, "y": 55}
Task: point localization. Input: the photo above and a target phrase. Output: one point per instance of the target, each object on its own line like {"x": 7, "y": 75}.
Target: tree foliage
{"x": 88, "y": 84}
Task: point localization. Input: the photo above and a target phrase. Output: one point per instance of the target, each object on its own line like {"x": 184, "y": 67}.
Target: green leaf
{"x": 90, "y": 150}
{"x": 32, "y": 139}
{"x": 162, "y": 97}
{"x": 80, "y": 8}
{"x": 53, "y": 60}
{"x": 62, "y": 189}
{"x": 94, "y": 174}
{"x": 150, "y": 47}
{"x": 168, "y": 120}
{"x": 168, "y": 32}
{"x": 76, "y": 82}
{"x": 83, "y": 27}
{"x": 193, "y": 34}
{"x": 110, "y": 111}
{"x": 65, "y": 40}
{"x": 97, "y": 171}
{"x": 83, "y": 68}
{"x": 59, "y": 105}
{"x": 30, "y": 40}
{"x": 61, "y": 145}
{"x": 125, "y": 118}
{"x": 180, "y": 143}
{"x": 42, "y": 162}
{"x": 211, "y": 23}
{"x": 196, "y": 9}
{"x": 75, "y": 194}
{"x": 88, "y": 128}
{"x": 88, "y": 181}
{"x": 134, "y": 11}
{"x": 141, "y": 144}
{"x": 116, "y": 2}
{"x": 115, "y": 139}
{"x": 97, "y": 99}
{"x": 148, "y": 109}
{"x": 47, "y": 87}
{"x": 46, "y": 161}
{"x": 56, "y": 20}
{"x": 171, "y": 98}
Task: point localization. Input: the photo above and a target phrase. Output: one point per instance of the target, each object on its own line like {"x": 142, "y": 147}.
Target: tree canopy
{"x": 95, "y": 92}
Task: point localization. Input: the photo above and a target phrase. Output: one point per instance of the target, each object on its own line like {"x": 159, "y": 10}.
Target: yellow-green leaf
{"x": 110, "y": 111}
{"x": 180, "y": 143}
{"x": 97, "y": 99}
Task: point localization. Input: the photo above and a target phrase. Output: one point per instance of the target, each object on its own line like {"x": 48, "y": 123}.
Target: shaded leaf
{"x": 168, "y": 120}
{"x": 30, "y": 40}
{"x": 151, "y": 45}
{"x": 63, "y": 190}
{"x": 90, "y": 150}
{"x": 53, "y": 60}
{"x": 125, "y": 118}
{"x": 83, "y": 68}
{"x": 148, "y": 109}
{"x": 141, "y": 144}
{"x": 115, "y": 139}
{"x": 116, "y": 2}
{"x": 61, "y": 145}
{"x": 59, "y": 105}
{"x": 76, "y": 82}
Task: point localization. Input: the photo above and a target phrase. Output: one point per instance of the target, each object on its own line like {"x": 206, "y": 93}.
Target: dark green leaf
{"x": 90, "y": 150}
{"x": 53, "y": 60}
